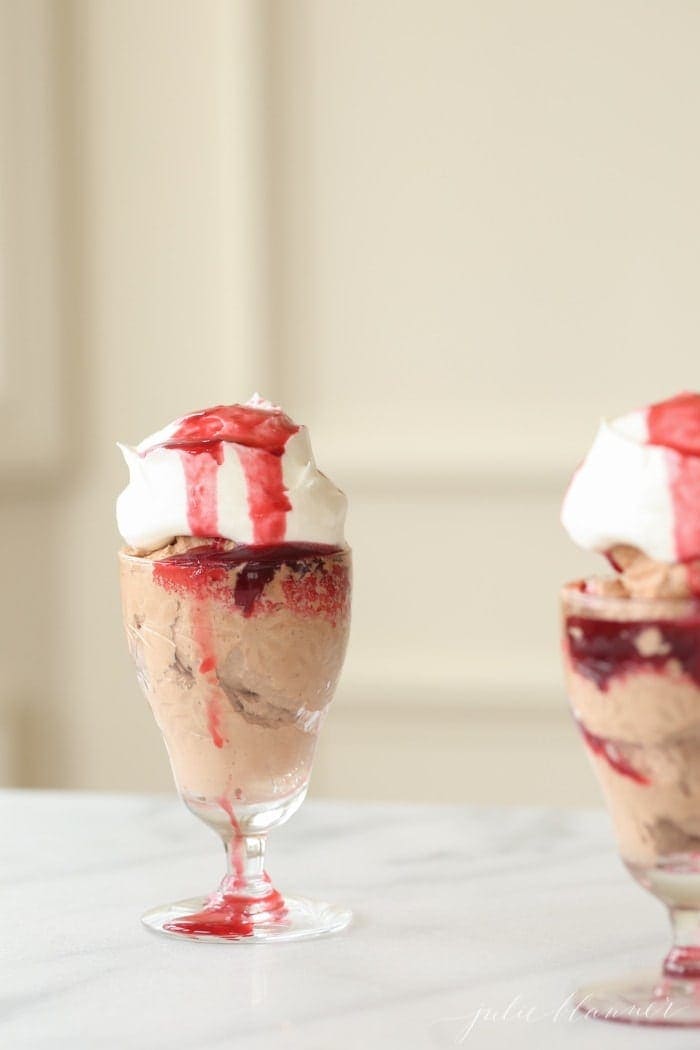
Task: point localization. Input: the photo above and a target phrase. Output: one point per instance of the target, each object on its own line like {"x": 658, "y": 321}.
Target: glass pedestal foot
{"x": 246, "y": 921}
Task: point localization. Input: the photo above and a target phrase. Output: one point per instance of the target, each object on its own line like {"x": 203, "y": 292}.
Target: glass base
{"x": 643, "y": 999}
{"x": 301, "y": 919}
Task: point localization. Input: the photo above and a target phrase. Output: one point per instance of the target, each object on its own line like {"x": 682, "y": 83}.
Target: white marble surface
{"x": 457, "y": 909}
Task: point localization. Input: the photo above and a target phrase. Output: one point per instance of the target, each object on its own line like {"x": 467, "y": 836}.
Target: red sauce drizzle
{"x": 675, "y": 425}
{"x": 201, "y": 476}
{"x": 259, "y": 436}
{"x": 202, "y": 633}
{"x": 602, "y": 650}
{"x": 693, "y": 572}
{"x": 267, "y": 496}
{"x": 609, "y": 750}
{"x": 235, "y": 846}
{"x": 314, "y": 590}
{"x": 683, "y": 961}
{"x": 232, "y": 915}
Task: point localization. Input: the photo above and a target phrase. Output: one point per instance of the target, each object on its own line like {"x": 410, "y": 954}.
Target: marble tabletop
{"x": 472, "y": 928}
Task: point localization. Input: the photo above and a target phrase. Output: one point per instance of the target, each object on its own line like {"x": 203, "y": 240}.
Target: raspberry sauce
{"x": 258, "y": 436}
{"x": 231, "y": 913}
{"x": 683, "y": 962}
{"x": 203, "y": 571}
{"x": 236, "y": 845}
{"x": 600, "y": 650}
{"x": 610, "y": 751}
{"x": 202, "y": 633}
{"x": 675, "y": 425}
{"x": 232, "y": 916}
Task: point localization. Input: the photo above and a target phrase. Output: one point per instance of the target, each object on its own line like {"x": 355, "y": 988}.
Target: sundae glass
{"x": 631, "y": 647}
{"x": 236, "y": 598}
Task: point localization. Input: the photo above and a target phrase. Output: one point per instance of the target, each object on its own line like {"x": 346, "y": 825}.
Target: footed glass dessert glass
{"x": 238, "y": 651}
{"x": 633, "y": 676}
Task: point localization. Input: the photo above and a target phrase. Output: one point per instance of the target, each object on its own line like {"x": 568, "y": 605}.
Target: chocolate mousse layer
{"x": 632, "y": 668}
{"x": 238, "y": 651}
{"x": 639, "y": 576}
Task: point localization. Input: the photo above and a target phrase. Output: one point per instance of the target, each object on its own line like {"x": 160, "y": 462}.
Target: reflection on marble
{"x": 456, "y": 910}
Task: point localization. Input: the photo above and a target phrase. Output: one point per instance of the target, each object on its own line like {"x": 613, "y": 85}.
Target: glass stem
{"x": 683, "y": 961}
{"x": 245, "y": 866}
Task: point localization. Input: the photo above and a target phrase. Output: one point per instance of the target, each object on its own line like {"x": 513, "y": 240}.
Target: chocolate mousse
{"x": 238, "y": 650}
{"x": 633, "y": 676}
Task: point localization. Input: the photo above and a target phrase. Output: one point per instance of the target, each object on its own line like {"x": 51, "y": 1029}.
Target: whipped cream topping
{"x": 240, "y": 472}
{"x": 639, "y": 485}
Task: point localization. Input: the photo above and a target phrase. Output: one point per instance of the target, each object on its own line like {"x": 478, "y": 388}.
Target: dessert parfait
{"x": 631, "y": 646}
{"x": 235, "y": 582}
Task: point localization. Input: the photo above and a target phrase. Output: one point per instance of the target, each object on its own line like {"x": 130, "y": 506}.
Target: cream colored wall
{"x": 448, "y": 236}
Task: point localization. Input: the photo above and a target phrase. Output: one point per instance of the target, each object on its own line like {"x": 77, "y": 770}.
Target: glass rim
{"x": 575, "y": 598}
{"x": 126, "y": 554}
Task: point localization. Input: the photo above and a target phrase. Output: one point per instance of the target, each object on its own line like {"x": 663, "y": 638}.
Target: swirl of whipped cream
{"x": 241, "y": 472}
{"x": 639, "y": 485}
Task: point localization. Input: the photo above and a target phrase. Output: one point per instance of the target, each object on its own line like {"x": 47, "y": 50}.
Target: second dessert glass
{"x": 238, "y": 651}
{"x": 633, "y": 677}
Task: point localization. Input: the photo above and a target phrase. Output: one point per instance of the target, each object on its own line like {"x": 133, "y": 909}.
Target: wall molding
{"x": 472, "y": 684}
{"x": 30, "y": 315}
{"x": 358, "y": 465}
